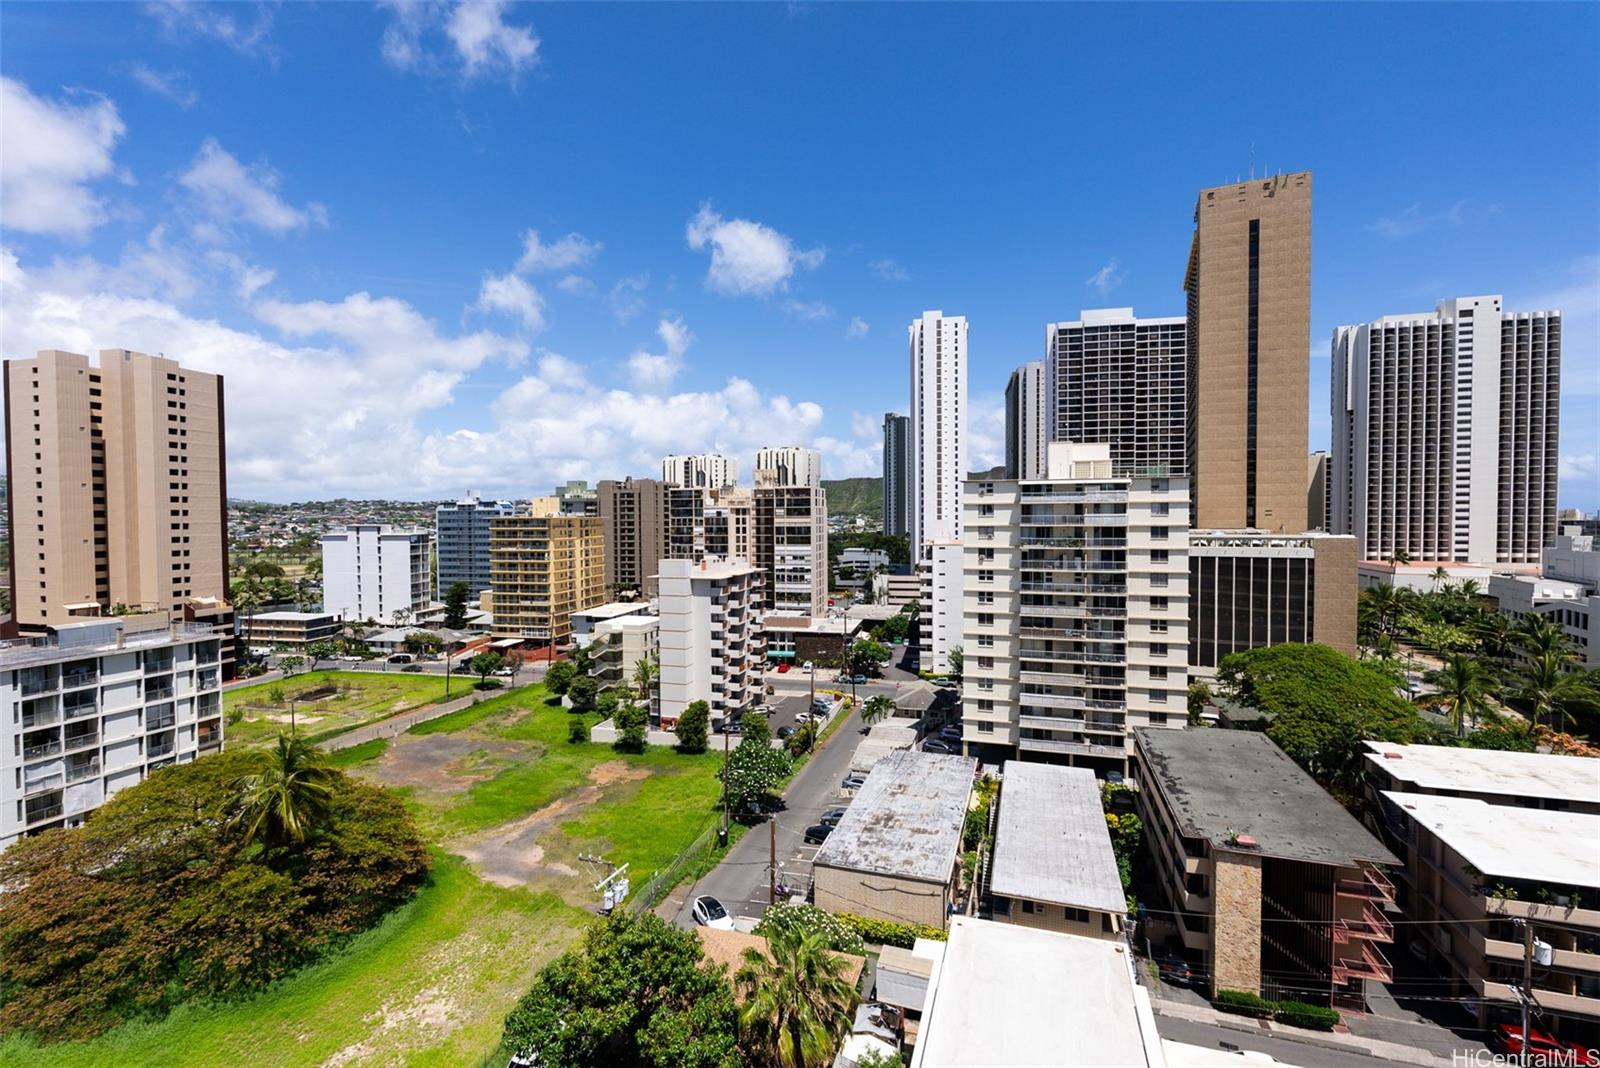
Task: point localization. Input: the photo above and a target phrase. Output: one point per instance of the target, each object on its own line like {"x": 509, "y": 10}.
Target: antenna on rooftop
{"x": 1252, "y": 161}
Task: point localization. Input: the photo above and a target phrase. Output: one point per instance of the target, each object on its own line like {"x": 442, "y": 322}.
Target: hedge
{"x": 889, "y": 933}
{"x": 1244, "y": 1003}
{"x": 1293, "y": 1013}
{"x": 1300, "y": 1014}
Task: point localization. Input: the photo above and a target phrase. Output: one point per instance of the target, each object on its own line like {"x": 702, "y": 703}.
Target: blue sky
{"x": 739, "y": 208}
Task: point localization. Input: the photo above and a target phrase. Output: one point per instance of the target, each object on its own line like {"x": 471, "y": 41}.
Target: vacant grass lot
{"x": 510, "y": 805}
{"x": 362, "y": 697}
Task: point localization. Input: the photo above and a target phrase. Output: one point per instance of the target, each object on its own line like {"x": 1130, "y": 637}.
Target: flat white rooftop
{"x": 1510, "y": 842}
{"x": 1488, "y": 771}
{"x": 1023, "y": 997}
{"x": 906, "y": 819}
{"x": 1051, "y": 842}
{"x": 612, "y": 610}
{"x": 289, "y": 617}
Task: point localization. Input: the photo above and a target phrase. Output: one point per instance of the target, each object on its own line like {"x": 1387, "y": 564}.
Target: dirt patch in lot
{"x": 444, "y": 763}
{"x": 510, "y": 854}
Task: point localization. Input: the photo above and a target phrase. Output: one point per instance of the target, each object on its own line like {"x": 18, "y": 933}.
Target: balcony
{"x": 157, "y": 692}
{"x": 41, "y": 749}
{"x": 1034, "y": 586}
{"x": 160, "y": 721}
{"x": 159, "y": 748}
{"x": 1372, "y": 923}
{"x": 1372, "y": 886}
{"x": 80, "y": 772}
{"x": 48, "y": 716}
{"x": 1062, "y": 700}
{"x": 38, "y": 814}
{"x": 35, "y": 787}
{"x": 72, "y": 680}
{"x": 82, "y": 740}
{"x": 1050, "y": 745}
{"x": 1368, "y": 963}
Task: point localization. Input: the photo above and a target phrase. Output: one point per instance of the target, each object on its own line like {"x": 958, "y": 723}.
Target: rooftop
{"x": 1051, "y": 842}
{"x": 612, "y": 610}
{"x": 1509, "y": 842}
{"x": 1489, "y": 771}
{"x": 906, "y": 819}
{"x": 288, "y": 617}
{"x": 101, "y": 635}
{"x": 1222, "y": 783}
{"x": 1020, "y": 996}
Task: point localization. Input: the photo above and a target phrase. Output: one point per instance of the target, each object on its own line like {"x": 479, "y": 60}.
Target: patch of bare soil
{"x": 445, "y": 763}
{"x": 426, "y": 1014}
{"x": 510, "y": 854}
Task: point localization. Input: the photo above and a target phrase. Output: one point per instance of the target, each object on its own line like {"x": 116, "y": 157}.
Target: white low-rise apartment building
{"x": 709, "y": 636}
{"x": 96, "y": 706}
{"x": 375, "y": 572}
{"x": 1075, "y": 610}
{"x": 1566, "y": 591}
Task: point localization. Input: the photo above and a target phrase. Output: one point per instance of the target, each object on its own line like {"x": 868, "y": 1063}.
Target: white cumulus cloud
{"x": 1106, "y": 278}
{"x": 174, "y": 85}
{"x": 512, "y": 295}
{"x": 50, "y": 150}
{"x": 747, "y": 258}
{"x": 227, "y": 192}
{"x": 481, "y": 43}
{"x": 858, "y": 327}
{"x": 562, "y": 254}
{"x": 656, "y": 370}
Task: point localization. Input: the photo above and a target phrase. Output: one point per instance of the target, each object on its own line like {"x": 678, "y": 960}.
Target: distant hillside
{"x": 855, "y": 496}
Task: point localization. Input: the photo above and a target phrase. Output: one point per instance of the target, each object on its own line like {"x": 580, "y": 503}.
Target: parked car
{"x": 1542, "y": 1048}
{"x": 708, "y": 912}
{"x": 1114, "y": 778}
{"x": 951, "y": 733}
{"x": 732, "y": 726}
{"x": 505, "y": 672}
{"x": 401, "y": 658}
{"x": 946, "y": 683}
{"x": 1176, "y": 970}
{"x": 939, "y": 745}
{"x": 783, "y": 668}
{"x": 818, "y": 833}
{"x": 765, "y": 710}
{"x": 785, "y": 732}
{"x": 858, "y": 680}
{"x": 351, "y": 659}
{"x": 853, "y": 781}
{"x": 411, "y": 667}
{"x": 832, "y": 817}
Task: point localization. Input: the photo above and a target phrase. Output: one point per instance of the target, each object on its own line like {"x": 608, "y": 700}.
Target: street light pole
{"x": 722, "y": 836}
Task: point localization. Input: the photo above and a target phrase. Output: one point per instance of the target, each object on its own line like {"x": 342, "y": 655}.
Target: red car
{"x": 783, "y": 667}
{"x": 1543, "y": 1048}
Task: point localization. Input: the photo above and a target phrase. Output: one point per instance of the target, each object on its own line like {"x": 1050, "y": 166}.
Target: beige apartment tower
{"x": 1249, "y": 339}
{"x": 118, "y": 490}
{"x": 633, "y": 512}
{"x": 543, "y": 568}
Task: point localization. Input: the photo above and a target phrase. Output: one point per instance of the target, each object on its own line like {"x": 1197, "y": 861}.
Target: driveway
{"x": 741, "y": 881}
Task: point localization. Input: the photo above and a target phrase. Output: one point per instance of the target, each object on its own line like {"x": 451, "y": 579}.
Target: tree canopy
{"x": 559, "y": 677}
{"x": 635, "y": 992}
{"x": 161, "y": 897}
{"x": 694, "y": 726}
{"x": 455, "y": 605}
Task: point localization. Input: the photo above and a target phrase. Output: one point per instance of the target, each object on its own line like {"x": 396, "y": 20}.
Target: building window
{"x": 985, "y": 728}
{"x": 1028, "y": 907}
{"x": 1158, "y": 533}
{"x": 1158, "y": 556}
{"x": 986, "y": 597}
{"x": 1158, "y": 604}
{"x": 986, "y": 576}
{"x": 1076, "y": 915}
{"x": 1158, "y": 648}
{"x": 986, "y": 641}
{"x": 986, "y": 509}
{"x": 985, "y": 619}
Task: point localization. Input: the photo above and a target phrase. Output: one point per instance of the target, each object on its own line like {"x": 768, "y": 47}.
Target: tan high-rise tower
{"x": 1249, "y": 286}
{"x": 117, "y": 478}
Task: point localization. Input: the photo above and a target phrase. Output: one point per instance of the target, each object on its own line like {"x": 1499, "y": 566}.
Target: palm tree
{"x": 1398, "y": 557}
{"x": 289, "y": 799}
{"x": 796, "y": 999}
{"x": 1557, "y": 689}
{"x": 645, "y": 672}
{"x": 247, "y": 598}
{"x": 1465, "y": 687}
{"x": 1441, "y": 577}
{"x": 1493, "y": 633}
{"x": 877, "y": 709}
{"x": 1538, "y": 635}
{"x": 1379, "y": 608}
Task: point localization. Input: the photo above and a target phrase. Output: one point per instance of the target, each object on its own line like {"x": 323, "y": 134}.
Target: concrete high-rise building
{"x": 375, "y": 572}
{"x": 700, "y": 471}
{"x": 1249, "y": 342}
{"x": 939, "y": 579}
{"x": 1076, "y": 610}
{"x": 896, "y": 475}
{"x": 542, "y": 569}
{"x": 462, "y": 530}
{"x": 938, "y": 349}
{"x": 1121, "y": 380}
{"x": 1317, "y": 491}
{"x": 574, "y": 497}
{"x": 791, "y": 465}
{"x": 711, "y": 645}
{"x": 633, "y": 512}
{"x": 97, "y": 705}
{"x": 791, "y": 545}
{"x": 1249, "y": 589}
{"x": 117, "y": 485}
{"x": 1027, "y": 420}
{"x": 1446, "y": 431}
{"x": 715, "y": 523}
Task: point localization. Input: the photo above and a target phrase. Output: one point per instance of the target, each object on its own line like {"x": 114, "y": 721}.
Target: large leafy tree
{"x": 755, "y": 770}
{"x": 866, "y": 657}
{"x": 158, "y": 899}
{"x": 289, "y": 798}
{"x": 319, "y": 651}
{"x": 559, "y": 677}
{"x": 485, "y": 664}
{"x": 633, "y": 728}
{"x": 796, "y": 999}
{"x": 636, "y": 992}
{"x": 694, "y": 727}
{"x": 1322, "y": 705}
{"x": 582, "y": 692}
{"x": 1464, "y": 688}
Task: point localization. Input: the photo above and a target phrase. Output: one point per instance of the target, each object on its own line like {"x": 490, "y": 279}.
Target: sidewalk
{"x": 1345, "y": 1043}
{"x": 397, "y": 725}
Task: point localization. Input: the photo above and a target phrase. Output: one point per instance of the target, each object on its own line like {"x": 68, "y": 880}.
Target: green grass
{"x": 365, "y": 698}
{"x": 431, "y": 985}
{"x": 358, "y": 754}
{"x": 461, "y": 719}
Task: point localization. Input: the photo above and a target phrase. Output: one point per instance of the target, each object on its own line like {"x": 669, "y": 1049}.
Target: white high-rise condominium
{"x": 375, "y": 572}
{"x": 791, "y": 465}
{"x": 1075, "y": 610}
{"x": 708, "y": 470}
{"x": 938, "y": 345}
{"x": 710, "y": 640}
{"x": 1445, "y": 433}
{"x": 1027, "y": 420}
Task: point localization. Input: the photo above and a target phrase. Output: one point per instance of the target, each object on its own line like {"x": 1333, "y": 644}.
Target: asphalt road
{"x": 1290, "y": 1052}
{"x": 740, "y": 882}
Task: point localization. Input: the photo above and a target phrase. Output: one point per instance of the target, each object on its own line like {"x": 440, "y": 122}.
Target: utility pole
{"x": 722, "y": 835}
{"x": 772, "y": 867}
{"x": 447, "y": 674}
{"x": 1526, "y": 993}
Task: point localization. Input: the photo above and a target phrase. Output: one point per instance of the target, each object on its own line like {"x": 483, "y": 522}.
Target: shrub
{"x": 1244, "y": 1003}
{"x": 275, "y": 694}
{"x": 782, "y": 918}
{"x": 888, "y": 932}
{"x": 486, "y": 684}
{"x": 694, "y": 726}
{"x": 1300, "y": 1014}
{"x": 234, "y": 716}
{"x": 577, "y": 730}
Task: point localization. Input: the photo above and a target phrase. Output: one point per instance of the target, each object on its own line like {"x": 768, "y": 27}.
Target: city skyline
{"x": 226, "y": 194}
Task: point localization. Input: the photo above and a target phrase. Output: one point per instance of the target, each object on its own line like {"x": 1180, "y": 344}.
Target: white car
{"x": 708, "y": 912}
{"x": 504, "y": 673}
